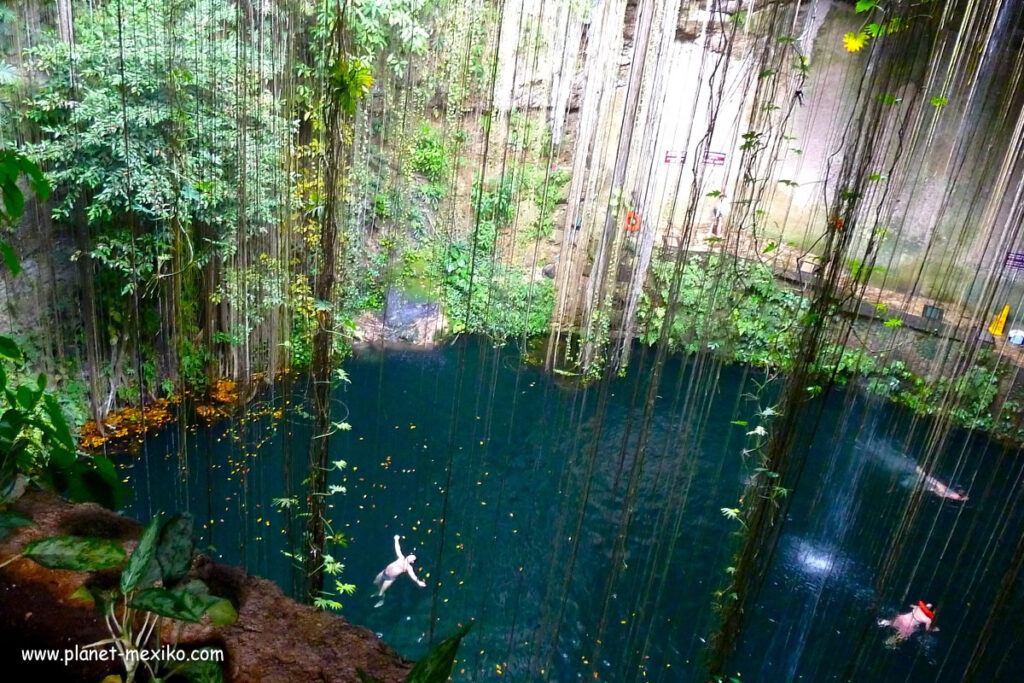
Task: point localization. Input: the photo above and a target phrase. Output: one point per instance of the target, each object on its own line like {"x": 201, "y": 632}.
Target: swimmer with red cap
{"x": 920, "y": 617}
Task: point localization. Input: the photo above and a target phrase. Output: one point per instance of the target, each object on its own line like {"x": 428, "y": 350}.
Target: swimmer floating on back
{"x": 403, "y": 565}
{"x": 941, "y": 490}
{"x": 919, "y": 617}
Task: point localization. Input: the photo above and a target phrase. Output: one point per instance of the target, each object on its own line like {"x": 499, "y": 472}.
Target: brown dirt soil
{"x": 274, "y": 640}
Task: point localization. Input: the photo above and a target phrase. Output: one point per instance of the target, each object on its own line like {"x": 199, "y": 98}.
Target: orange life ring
{"x": 632, "y": 221}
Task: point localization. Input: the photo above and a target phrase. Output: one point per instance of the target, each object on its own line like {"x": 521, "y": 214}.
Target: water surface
{"x": 537, "y": 477}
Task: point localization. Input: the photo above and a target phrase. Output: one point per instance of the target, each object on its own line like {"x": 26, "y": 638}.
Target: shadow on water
{"x": 522, "y": 445}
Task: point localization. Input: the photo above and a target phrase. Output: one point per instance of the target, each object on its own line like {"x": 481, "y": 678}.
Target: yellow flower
{"x": 855, "y": 42}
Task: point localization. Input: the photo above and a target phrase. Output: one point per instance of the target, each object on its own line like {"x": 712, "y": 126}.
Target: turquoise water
{"x": 531, "y": 474}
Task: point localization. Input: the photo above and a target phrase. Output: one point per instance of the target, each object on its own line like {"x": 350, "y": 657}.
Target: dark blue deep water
{"x": 536, "y": 478}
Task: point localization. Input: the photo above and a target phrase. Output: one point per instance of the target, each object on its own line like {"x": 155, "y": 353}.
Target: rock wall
{"x": 669, "y": 104}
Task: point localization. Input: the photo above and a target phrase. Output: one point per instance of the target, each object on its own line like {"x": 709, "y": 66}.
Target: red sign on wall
{"x": 714, "y": 159}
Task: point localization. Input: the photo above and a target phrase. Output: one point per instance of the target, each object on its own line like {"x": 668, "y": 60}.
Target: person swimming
{"x": 907, "y": 624}
{"x": 402, "y": 565}
{"x": 933, "y": 485}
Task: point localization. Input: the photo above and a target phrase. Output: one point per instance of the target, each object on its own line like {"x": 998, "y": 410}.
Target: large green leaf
{"x": 77, "y": 553}
{"x": 36, "y": 178}
{"x": 9, "y": 349}
{"x": 12, "y": 520}
{"x": 13, "y": 164}
{"x": 220, "y": 611}
{"x": 436, "y": 666}
{"x": 87, "y": 479}
{"x": 174, "y": 604}
{"x": 14, "y": 200}
{"x": 142, "y": 557}
{"x": 176, "y": 547}
{"x": 60, "y": 426}
{"x": 186, "y": 603}
{"x": 10, "y": 258}
{"x": 27, "y": 399}
{"x": 107, "y": 486}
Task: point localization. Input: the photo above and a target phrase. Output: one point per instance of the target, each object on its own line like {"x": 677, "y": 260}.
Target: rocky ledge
{"x": 274, "y": 639}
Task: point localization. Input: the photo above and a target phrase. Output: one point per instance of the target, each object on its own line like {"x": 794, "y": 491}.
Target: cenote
{"x": 511, "y": 485}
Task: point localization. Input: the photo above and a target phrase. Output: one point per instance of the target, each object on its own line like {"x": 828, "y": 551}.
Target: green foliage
{"x": 205, "y": 670}
{"x": 167, "y": 152}
{"x": 491, "y": 298}
{"x": 151, "y": 584}
{"x": 142, "y": 144}
{"x": 521, "y": 134}
{"x": 549, "y": 190}
{"x": 10, "y": 80}
{"x": 12, "y": 520}
{"x": 429, "y": 156}
{"x": 36, "y": 444}
{"x": 140, "y": 560}
{"x": 392, "y": 29}
{"x": 185, "y": 603}
{"x": 436, "y": 666}
{"x": 493, "y": 202}
{"x": 751, "y": 140}
{"x": 433, "y": 193}
{"x": 13, "y": 165}
{"x": 736, "y": 309}
{"x": 861, "y": 272}
{"x": 193, "y": 361}
{"x": 382, "y": 206}
{"x": 75, "y": 553}
{"x": 350, "y": 80}
{"x": 35, "y": 440}
{"x": 173, "y": 556}
{"x": 967, "y": 400}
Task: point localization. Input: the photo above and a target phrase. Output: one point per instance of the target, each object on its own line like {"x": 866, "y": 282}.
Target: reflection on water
{"x": 519, "y": 535}
{"x": 815, "y": 561}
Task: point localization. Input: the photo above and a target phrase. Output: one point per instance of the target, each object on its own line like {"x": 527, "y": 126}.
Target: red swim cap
{"x": 924, "y": 608}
